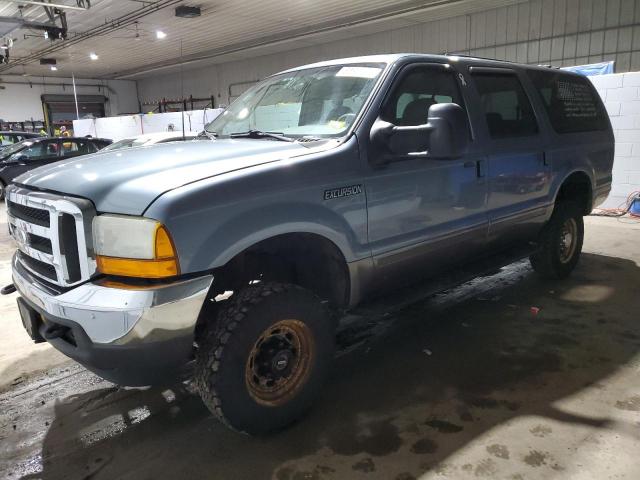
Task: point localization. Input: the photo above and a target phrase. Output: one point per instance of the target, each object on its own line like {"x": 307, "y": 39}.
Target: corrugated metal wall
{"x": 557, "y": 32}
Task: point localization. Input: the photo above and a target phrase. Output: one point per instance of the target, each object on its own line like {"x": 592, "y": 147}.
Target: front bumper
{"x": 131, "y": 337}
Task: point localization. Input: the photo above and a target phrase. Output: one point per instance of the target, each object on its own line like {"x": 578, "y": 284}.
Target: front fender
{"x": 239, "y": 233}
{"x": 213, "y": 220}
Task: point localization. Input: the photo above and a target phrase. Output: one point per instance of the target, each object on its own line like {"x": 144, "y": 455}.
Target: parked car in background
{"x": 151, "y": 139}
{"x": 10, "y": 137}
{"x": 28, "y": 154}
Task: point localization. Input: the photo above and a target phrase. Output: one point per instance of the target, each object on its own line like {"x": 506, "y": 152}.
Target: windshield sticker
{"x": 342, "y": 192}
{"x": 358, "y": 72}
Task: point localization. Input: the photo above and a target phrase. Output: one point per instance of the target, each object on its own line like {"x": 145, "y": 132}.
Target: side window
{"x": 73, "y": 148}
{"x": 571, "y": 102}
{"x": 36, "y": 151}
{"x": 420, "y": 88}
{"x": 506, "y": 106}
{"x": 8, "y": 139}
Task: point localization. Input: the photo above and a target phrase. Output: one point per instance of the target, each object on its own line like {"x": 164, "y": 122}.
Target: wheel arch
{"x": 577, "y": 185}
{"x": 306, "y": 258}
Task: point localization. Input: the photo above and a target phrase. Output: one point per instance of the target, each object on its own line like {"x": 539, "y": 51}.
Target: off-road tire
{"x": 546, "y": 261}
{"x": 227, "y": 343}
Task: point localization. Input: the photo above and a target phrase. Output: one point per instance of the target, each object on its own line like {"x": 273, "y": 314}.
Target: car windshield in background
{"x": 125, "y": 143}
{"x": 16, "y": 147}
{"x": 318, "y": 102}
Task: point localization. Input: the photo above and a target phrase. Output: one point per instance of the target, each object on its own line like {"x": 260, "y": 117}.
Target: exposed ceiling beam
{"x": 21, "y": 22}
{"x": 113, "y": 25}
{"x": 48, "y": 5}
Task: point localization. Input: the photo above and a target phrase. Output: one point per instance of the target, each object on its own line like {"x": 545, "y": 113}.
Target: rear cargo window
{"x": 571, "y": 102}
{"x": 506, "y": 106}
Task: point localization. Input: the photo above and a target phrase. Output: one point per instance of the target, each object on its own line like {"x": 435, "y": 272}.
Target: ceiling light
{"x": 160, "y": 34}
{"x": 53, "y": 68}
{"x": 93, "y": 56}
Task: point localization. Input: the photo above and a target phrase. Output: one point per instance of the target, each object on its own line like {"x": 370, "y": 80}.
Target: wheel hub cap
{"x": 279, "y": 362}
{"x": 568, "y": 236}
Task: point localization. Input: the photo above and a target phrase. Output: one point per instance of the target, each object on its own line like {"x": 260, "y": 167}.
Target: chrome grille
{"x": 53, "y": 233}
{"x": 28, "y": 214}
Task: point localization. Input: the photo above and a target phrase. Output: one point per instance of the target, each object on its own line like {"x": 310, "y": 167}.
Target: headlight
{"x": 134, "y": 247}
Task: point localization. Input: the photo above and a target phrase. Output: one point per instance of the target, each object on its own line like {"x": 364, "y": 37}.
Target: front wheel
{"x": 560, "y": 242}
{"x": 261, "y": 365}
{"x": 2, "y": 190}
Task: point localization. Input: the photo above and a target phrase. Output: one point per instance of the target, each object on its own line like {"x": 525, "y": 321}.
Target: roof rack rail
{"x": 450, "y": 54}
{"x": 544, "y": 65}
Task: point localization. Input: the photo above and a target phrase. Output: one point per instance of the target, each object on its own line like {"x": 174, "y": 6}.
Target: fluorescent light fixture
{"x": 93, "y": 56}
{"x": 53, "y": 68}
{"x": 160, "y": 34}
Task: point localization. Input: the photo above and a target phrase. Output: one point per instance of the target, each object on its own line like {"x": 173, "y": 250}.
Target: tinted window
{"x": 506, "y": 106}
{"x": 570, "y": 101}
{"x": 9, "y": 139}
{"x": 419, "y": 89}
{"x": 73, "y": 148}
{"x": 40, "y": 150}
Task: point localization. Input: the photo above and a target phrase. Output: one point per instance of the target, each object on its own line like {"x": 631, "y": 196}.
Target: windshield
{"x": 317, "y": 102}
{"x": 16, "y": 147}
{"x": 125, "y": 143}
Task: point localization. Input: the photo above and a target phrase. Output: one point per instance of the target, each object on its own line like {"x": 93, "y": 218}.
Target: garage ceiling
{"x": 123, "y": 32}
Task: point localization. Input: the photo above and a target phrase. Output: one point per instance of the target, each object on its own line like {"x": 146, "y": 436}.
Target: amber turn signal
{"x": 163, "y": 265}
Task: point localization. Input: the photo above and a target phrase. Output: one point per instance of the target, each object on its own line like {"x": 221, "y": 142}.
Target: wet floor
{"x": 504, "y": 377}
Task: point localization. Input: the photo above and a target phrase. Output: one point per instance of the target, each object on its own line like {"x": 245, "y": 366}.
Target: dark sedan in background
{"x": 10, "y": 137}
{"x": 28, "y": 154}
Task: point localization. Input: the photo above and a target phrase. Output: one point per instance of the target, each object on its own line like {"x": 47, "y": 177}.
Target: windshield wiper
{"x": 209, "y": 135}
{"x": 260, "y": 134}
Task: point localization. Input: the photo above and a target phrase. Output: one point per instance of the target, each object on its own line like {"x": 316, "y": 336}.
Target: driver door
{"x": 424, "y": 214}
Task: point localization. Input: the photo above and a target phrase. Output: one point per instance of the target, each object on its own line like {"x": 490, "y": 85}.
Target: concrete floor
{"x": 470, "y": 384}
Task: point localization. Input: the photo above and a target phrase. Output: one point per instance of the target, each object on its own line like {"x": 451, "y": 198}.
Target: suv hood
{"x": 127, "y": 181}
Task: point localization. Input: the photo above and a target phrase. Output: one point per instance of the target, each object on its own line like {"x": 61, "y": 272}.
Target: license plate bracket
{"x": 31, "y": 320}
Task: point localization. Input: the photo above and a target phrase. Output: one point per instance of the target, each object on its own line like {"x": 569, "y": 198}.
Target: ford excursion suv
{"x": 319, "y": 189}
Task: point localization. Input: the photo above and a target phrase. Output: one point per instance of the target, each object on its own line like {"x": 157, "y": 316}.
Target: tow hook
{"x": 8, "y": 290}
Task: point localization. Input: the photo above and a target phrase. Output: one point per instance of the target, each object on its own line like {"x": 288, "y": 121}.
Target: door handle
{"x": 478, "y": 164}
{"x": 545, "y": 161}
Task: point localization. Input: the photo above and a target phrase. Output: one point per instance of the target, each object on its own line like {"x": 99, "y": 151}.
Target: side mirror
{"x": 450, "y": 135}
{"x": 445, "y": 135}
{"x": 17, "y": 158}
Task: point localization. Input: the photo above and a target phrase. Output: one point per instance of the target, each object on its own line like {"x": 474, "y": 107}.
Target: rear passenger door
{"x": 518, "y": 174}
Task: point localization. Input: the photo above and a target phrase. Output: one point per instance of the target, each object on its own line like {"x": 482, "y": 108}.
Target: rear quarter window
{"x": 571, "y": 102}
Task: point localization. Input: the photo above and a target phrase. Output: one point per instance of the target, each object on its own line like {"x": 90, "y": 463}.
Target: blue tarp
{"x": 603, "y": 68}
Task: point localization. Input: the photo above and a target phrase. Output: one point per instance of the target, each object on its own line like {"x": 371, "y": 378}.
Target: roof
{"x": 17, "y": 132}
{"x": 391, "y": 58}
{"x": 41, "y": 139}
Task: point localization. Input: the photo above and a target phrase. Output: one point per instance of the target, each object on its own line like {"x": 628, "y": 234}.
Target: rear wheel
{"x": 560, "y": 242}
{"x": 261, "y": 365}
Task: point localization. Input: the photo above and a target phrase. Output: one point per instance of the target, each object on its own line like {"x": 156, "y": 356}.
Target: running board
{"x": 404, "y": 297}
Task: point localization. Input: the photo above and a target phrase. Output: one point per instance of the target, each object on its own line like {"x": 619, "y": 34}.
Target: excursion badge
{"x": 342, "y": 192}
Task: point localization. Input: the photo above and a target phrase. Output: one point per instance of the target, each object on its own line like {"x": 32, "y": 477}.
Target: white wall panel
{"x": 22, "y": 102}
